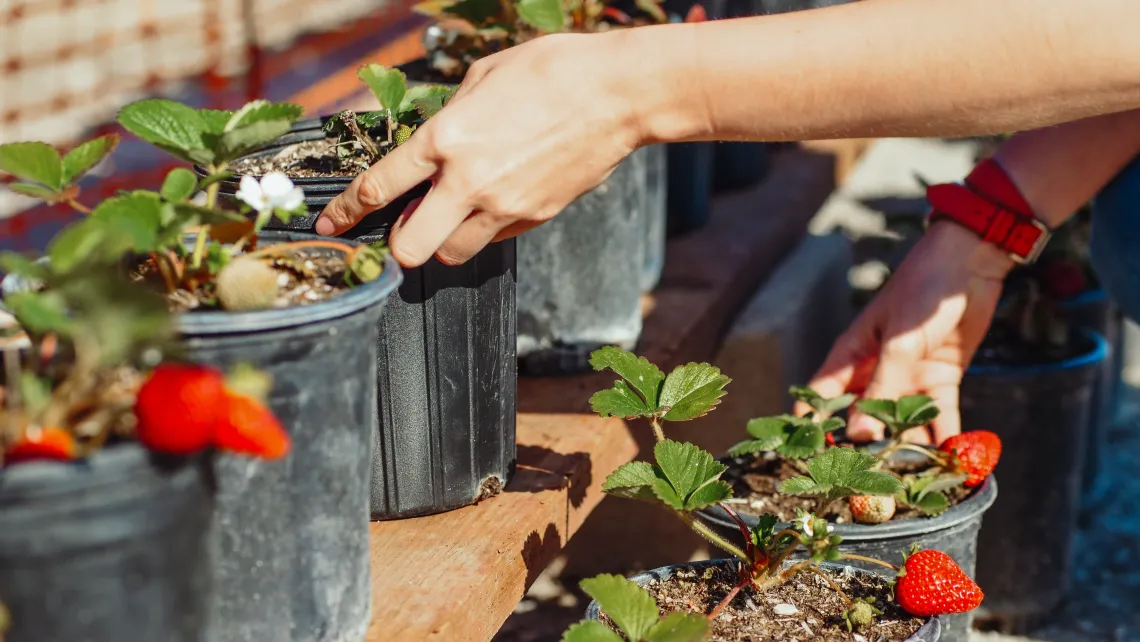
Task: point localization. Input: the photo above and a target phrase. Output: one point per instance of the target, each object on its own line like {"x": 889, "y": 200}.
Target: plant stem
{"x": 728, "y": 598}
{"x": 285, "y": 248}
{"x": 658, "y": 432}
{"x": 707, "y": 533}
{"x": 204, "y": 231}
{"x": 78, "y": 207}
{"x": 830, "y": 582}
{"x": 163, "y": 269}
{"x": 871, "y": 560}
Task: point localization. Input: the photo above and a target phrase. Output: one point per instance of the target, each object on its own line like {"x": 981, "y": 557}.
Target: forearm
{"x": 1058, "y": 169}
{"x": 885, "y": 68}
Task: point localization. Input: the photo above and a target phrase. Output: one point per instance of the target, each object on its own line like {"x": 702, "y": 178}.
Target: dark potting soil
{"x": 303, "y": 277}
{"x": 1004, "y": 347}
{"x": 755, "y": 489}
{"x": 803, "y": 609}
{"x": 310, "y": 159}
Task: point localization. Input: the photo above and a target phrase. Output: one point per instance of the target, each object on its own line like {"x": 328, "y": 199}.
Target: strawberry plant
{"x": 402, "y": 110}
{"x": 217, "y": 269}
{"x": 684, "y": 479}
{"x": 84, "y": 384}
{"x": 636, "y": 615}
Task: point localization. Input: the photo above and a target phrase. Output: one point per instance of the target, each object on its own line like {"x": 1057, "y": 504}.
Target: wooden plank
{"x": 458, "y": 575}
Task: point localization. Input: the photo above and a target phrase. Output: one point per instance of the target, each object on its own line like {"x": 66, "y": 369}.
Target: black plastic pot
{"x": 1041, "y": 414}
{"x": 690, "y": 186}
{"x": 656, "y": 197}
{"x": 111, "y": 549}
{"x": 929, "y": 632}
{"x": 954, "y": 532}
{"x": 445, "y": 366}
{"x": 292, "y": 535}
{"x": 580, "y": 275}
{"x": 1094, "y": 311}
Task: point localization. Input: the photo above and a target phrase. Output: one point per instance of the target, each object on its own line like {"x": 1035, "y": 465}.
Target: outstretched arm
{"x": 535, "y": 126}
{"x": 920, "y": 332}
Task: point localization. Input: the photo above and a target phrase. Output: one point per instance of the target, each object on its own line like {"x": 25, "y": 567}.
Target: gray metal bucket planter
{"x": 444, "y": 365}
{"x": 656, "y": 199}
{"x": 929, "y": 632}
{"x": 580, "y": 275}
{"x": 110, "y": 549}
{"x": 292, "y": 535}
{"x": 1041, "y": 413}
{"x": 954, "y": 532}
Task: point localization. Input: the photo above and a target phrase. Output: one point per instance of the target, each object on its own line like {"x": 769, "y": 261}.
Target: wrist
{"x": 983, "y": 259}
{"x": 646, "y": 67}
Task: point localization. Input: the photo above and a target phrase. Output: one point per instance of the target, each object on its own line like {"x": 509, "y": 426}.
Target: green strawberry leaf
{"x": 170, "y": 126}
{"x": 764, "y": 531}
{"x": 752, "y": 446}
{"x": 33, "y": 161}
{"x": 388, "y": 85}
{"x": 802, "y": 486}
{"x": 834, "y": 466}
{"x": 619, "y": 401}
{"x": 426, "y": 101}
{"x": 835, "y": 404}
{"x": 678, "y": 627}
{"x": 35, "y": 191}
{"x": 40, "y": 312}
{"x": 881, "y": 409}
{"x": 638, "y": 371}
{"x": 916, "y": 410}
{"x": 179, "y": 185}
{"x": 74, "y": 245}
{"x": 686, "y": 467}
{"x": 35, "y": 393}
{"x": 590, "y": 631}
{"x": 871, "y": 483}
{"x": 934, "y": 484}
{"x": 544, "y": 15}
{"x": 214, "y": 121}
{"x": 691, "y": 391}
{"x": 633, "y": 480}
{"x": 238, "y": 142}
{"x": 772, "y": 430}
{"x": 932, "y": 503}
{"x": 667, "y": 495}
{"x": 630, "y": 607}
{"x": 831, "y": 424}
{"x": 80, "y": 160}
{"x": 262, "y": 111}
{"x": 706, "y": 496}
{"x": 806, "y": 441}
{"x": 15, "y": 263}
{"x": 132, "y": 221}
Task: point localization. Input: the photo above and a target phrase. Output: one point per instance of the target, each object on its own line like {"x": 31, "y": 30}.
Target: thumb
{"x": 893, "y": 377}
{"x": 841, "y": 370}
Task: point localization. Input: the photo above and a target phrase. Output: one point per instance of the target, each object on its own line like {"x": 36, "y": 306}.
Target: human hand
{"x": 527, "y": 132}
{"x": 918, "y": 335}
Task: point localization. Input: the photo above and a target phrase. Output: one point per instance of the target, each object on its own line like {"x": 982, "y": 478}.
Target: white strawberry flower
{"x": 274, "y": 191}
{"x": 804, "y": 522}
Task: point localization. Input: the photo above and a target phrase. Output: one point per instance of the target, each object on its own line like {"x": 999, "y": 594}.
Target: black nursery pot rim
{"x": 931, "y": 631}
{"x": 1097, "y": 352}
{"x": 977, "y": 503}
{"x": 365, "y": 295}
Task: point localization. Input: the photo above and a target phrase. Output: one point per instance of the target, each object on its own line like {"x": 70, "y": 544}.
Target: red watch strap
{"x": 992, "y": 207}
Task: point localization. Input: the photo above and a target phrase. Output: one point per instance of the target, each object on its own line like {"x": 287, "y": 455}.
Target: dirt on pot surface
{"x": 310, "y": 159}
{"x": 803, "y": 609}
{"x": 304, "y": 277}
{"x": 755, "y": 488}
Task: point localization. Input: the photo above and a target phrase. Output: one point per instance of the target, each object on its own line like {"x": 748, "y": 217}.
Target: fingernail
{"x": 324, "y": 227}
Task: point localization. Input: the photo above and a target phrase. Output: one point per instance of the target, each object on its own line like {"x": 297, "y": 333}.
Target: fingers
{"x": 422, "y": 232}
{"x": 949, "y": 420}
{"x": 401, "y": 170}
{"x": 841, "y": 368}
{"x": 471, "y": 236}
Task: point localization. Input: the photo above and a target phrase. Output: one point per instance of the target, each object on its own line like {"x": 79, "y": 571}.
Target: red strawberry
{"x": 178, "y": 407}
{"x": 697, "y": 13}
{"x": 830, "y": 439}
{"x": 249, "y": 427}
{"x": 931, "y": 583}
{"x": 42, "y": 443}
{"x": 977, "y": 454}
{"x": 871, "y": 509}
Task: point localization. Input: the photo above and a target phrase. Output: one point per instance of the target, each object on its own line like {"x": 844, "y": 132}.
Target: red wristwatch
{"x": 991, "y": 206}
